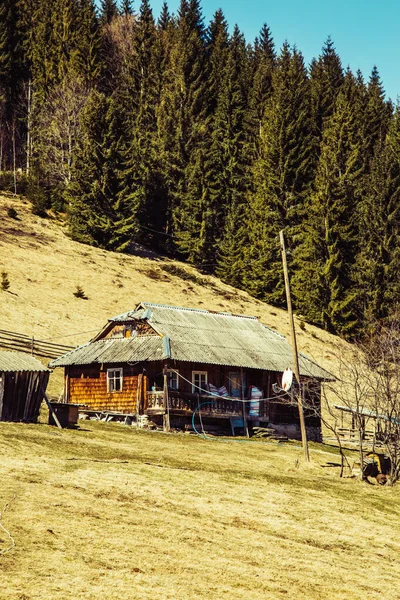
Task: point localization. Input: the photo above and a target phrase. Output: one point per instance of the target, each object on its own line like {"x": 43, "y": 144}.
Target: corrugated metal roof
{"x": 199, "y": 336}
{"x": 114, "y": 350}
{"x": 18, "y": 361}
{"x": 225, "y": 339}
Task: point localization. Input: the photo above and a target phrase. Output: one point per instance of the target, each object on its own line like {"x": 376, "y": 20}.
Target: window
{"x": 172, "y": 380}
{"x": 235, "y": 385}
{"x": 114, "y": 380}
{"x": 199, "y": 379}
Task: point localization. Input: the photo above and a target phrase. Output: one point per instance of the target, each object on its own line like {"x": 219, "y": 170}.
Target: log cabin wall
{"x": 87, "y": 385}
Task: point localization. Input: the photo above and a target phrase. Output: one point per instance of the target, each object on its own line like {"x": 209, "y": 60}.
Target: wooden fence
{"x": 24, "y": 343}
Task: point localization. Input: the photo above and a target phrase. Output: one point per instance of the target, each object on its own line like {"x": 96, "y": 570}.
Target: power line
{"x": 60, "y": 337}
{"x": 217, "y": 396}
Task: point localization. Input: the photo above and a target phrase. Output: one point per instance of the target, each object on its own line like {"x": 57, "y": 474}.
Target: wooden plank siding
{"x": 88, "y": 386}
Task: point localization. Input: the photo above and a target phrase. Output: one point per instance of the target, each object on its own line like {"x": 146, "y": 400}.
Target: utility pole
{"x": 294, "y": 346}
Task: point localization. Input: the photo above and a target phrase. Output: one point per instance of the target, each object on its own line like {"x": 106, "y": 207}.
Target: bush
{"x": 79, "y": 293}
{"x": 5, "y": 282}
{"x": 12, "y": 213}
{"x": 7, "y": 182}
{"x": 178, "y": 271}
{"x": 37, "y": 197}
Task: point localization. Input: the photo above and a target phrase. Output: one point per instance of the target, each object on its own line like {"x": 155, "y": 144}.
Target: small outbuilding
{"x": 23, "y": 382}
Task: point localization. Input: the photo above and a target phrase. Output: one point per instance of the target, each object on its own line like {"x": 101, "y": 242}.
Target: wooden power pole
{"x": 294, "y": 346}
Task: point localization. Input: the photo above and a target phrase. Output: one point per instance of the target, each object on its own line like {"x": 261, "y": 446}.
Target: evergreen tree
{"x": 376, "y": 117}
{"x": 108, "y": 10}
{"x": 326, "y": 80}
{"x": 323, "y": 283}
{"x": 11, "y": 80}
{"x": 96, "y": 215}
{"x": 378, "y": 273}
{"x": 181, "y": 118}
{"x": 143, "y": 186}
{"x": 282, "y": 176}
{"x": 126, "y": 7}
{"x": 264, "y": 59}
{"x": 86, "y": 61}
{"x": 165, "y": 18}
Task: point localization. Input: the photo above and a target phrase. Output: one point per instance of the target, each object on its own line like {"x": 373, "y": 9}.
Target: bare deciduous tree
{"x": 59, "y": 126}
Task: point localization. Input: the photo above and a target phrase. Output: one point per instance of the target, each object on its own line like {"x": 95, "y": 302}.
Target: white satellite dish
{"x": 287, "y": 379}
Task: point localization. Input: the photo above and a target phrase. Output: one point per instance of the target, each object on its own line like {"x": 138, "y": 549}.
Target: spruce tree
{"x": 376, "y": 117}
{"x": 182, "y": 120}
{"x": 323, "y": 283}
{"x": 263, "y": 63}
{"x": 282, "y": 176}
{"x": 86, "y": 59}
{"x": 326, "y": 79}
{"x": 377, "y": 272}
{"x": 126, "y": 7}
{"x": 108, "y": 10}
{"x": 96, "y": 214}
{"x": 143, "y": 187}
{"x": 12, "y": 75}
{"x": 165, "y": 18}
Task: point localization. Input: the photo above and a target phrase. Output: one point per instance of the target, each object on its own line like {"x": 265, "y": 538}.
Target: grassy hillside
{"x": 107, "y": 511}
{"x": 110, "y": 512}
{"x": 45, "y": 267}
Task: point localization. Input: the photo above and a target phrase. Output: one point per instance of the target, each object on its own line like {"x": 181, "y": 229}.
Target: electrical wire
{"x": 60, "y": 337}
{"x": 208, "y": 393}
{"x": 203, "y": 435}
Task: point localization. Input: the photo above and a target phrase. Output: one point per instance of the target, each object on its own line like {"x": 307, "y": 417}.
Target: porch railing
{"x": 186, "y": 402}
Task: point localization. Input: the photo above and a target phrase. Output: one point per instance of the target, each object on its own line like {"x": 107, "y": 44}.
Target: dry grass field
{"x": 107, "y": 511}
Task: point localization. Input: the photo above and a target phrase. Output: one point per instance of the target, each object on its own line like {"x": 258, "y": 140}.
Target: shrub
{"x": 302, "y": 325}
{"x": 12, "y": 213}
{"x": 5, "y": 282}
{"x": 79, "y": 293}
{"x": 179, "y": 271}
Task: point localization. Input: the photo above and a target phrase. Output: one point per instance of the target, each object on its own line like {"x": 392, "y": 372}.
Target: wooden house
{"x": 161, "y": 360}
{"x": 23, "y": 382}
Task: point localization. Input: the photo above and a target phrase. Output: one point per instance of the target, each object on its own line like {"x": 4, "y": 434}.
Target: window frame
{"x": 113, "y": 379}
{"x": 194, "y": 389}
{"x": 241, "y": 387}
{"x": 175, "y": 374}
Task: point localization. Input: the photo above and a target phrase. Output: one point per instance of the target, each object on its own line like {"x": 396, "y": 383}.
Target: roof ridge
{"x": 197, "y": 310}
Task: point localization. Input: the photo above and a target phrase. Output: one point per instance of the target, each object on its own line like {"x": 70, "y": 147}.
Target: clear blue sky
{"x": 365, "y": 32}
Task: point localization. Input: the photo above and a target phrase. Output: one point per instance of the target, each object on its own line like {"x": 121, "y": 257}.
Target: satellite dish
{"x": 287, "y": 379}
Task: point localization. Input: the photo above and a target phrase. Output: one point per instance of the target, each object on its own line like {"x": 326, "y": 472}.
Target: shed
{"x": 23, "y": 380}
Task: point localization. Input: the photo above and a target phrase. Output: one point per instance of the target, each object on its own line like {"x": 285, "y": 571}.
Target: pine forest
{"x": 201, "y": 145}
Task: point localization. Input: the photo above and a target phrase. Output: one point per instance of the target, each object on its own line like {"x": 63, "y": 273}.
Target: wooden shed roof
{"x": 18, "y": 362}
